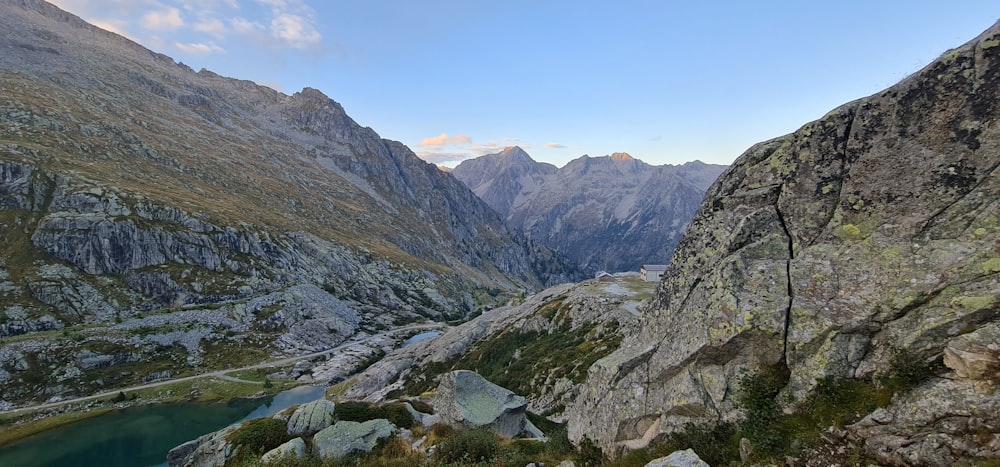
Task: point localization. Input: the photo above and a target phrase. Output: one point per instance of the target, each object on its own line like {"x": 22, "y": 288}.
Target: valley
{"x": 171, "y": 235}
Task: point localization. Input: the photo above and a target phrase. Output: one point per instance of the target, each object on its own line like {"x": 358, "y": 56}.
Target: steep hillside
{"x": 541, "y": 347}
{"x": 133, "y": 188}
{"x": 860, "y": 250}
{"x": 610, "y": 213}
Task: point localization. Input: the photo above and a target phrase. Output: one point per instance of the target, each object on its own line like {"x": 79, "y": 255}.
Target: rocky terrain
{"x": 153, "y": 218}
{"x": 612, "y": 213}
{"x": 540, "y": 348}
{"x": 862, "y": 249}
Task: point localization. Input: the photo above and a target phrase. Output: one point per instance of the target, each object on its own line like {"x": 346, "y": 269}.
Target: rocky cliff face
{"x": 132, "y": 186}
{"x": 867, "y": 233}
{"x": 610, "y": 213}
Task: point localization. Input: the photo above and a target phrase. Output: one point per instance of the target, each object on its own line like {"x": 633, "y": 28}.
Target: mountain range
{"x": 133, "y": 186}
{"x": 612, "y": 213}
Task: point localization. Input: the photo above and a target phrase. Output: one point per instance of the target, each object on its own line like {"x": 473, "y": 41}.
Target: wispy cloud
{"x": 444, "y": 157}
{"x": 443, "y": 139}
{"x": 162, "y": 20}
{"x": 450, "y": 150}
{"x": 297, "y": 31}
{"x": 212, "y": 26}
{"x": 199, "y": 48}
{"x": 244, "y": 26}
{"x": 556, "y": 146}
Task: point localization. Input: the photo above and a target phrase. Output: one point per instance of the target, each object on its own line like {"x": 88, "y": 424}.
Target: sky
{"x": 667, "y": 81}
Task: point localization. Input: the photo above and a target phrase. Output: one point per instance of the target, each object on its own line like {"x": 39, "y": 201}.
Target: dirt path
{"x": 222, "y": 374}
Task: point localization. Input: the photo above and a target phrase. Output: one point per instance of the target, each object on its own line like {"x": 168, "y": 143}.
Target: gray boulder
{"x": 685, "y": 458}
{"x": 311, "y": 417}
{"x": 467, "y": 400}
{"x": 343, "y": 438}
{"x": 208, "y": 450}
{"x": 295, "y": 448}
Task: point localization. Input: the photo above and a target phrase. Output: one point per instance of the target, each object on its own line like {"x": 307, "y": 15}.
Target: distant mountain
{"x": 610, "y": 213}
{"x": 133, "y": 188}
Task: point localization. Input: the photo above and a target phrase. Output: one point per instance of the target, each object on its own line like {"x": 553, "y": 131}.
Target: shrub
{"x": 356, "y": 411}
{"x": 908, "y": 369}
{"x": 479, "y": 445}
{"x": 589, "y": 454}
{"x": 441, "y": 430}
{"x": 757, "y": 398}
{"x": 258, "y": 436}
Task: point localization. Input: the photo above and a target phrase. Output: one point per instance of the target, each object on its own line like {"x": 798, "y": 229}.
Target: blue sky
{"x": 667, "y": 81}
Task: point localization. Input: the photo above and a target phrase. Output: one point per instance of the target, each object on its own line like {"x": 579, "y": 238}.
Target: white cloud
{"x": 443, "y": 157}
{"x": 297, "y": 31}
{"x": 443, "y": 139}
{"x": 198, "y": 48}
{"x": 245, "y": 26}
{"x": 163, "y": 20}
{"x": 212, "y": 26}
{"x": 556, "y": 146}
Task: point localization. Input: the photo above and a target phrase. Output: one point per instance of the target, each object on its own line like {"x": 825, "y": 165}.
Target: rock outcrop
{"x": 868, "y": 233}
{"x": 466, "y": 400}
{"x": 311, "y": 417}
{"x": 294, "y": 449}
{"x": 344, "y": 437}
{"x": 685, "y": 458}
{"x": 611, "y": 213}
{"x": 209, "y": 450}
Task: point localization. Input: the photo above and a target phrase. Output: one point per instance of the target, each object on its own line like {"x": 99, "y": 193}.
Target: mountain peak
{"x": 510, "y": 151}
{"x": 622, "y": 156}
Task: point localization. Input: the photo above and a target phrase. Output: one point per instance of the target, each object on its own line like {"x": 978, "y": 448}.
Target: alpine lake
{"x": 142, "y": 435}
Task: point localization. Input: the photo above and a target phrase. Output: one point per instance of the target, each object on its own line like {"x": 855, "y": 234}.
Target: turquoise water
{"x": 421, "y": 336}
{"x": 141, "y": 436}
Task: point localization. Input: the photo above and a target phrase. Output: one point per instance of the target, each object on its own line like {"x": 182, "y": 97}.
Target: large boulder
{"x": 343, "y": 438}
{"x": 467, "y": 400}
{"x": 311, "y": 417}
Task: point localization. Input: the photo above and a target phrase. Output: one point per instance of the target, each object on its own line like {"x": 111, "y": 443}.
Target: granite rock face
{"x": 466, "y": 400}
{"x": 869, "y": 232}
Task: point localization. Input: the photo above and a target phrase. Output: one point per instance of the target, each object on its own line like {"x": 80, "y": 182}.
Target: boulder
{"x": 685, "y": 458}
{"x": 295, "y": 448}
{"x": 467, "y": 400}
{"x": 208, "y": 450}
{"x": 311, "y": 417}
{"x": 343, "y": 438}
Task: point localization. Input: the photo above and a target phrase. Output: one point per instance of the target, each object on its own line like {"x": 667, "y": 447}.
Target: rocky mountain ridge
{"x": 153, "y": 216}
{"x": 610, "y": 213}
